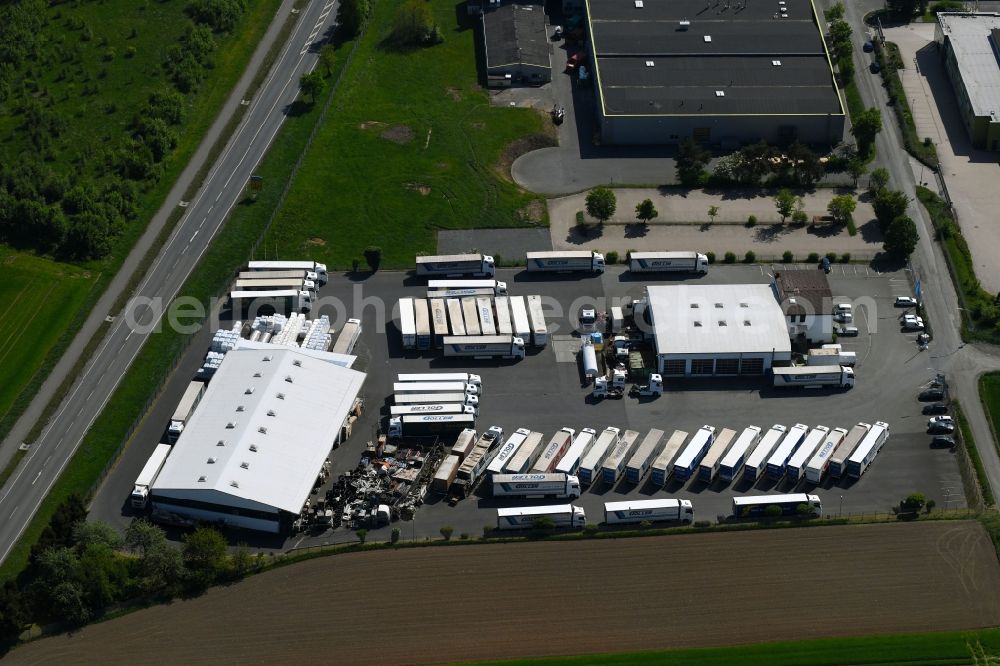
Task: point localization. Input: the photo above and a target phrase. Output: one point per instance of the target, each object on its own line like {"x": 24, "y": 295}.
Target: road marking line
{"x": 195, "y": 234}
{"x": 15, "y": 510}
{"x": 38, "y": 476}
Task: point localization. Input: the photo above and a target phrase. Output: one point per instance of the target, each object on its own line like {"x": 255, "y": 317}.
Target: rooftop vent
{"x": 776, "y": 63}
{"x": 262, "y": 430}
{"x": 253, "y": 448}
{"x": 230, "y": 425}
{"x": 744, "y": 305}
{"x": 271, "y": 412}
{"x": 718, "y": 306}
{"x": 684, "y": 25}
{"x": 211, "y": 460}
{"x": 638, "y": 4}
{"x": 650, "y": 63}
{"x": 201, "y": 479}
{"x": 694, "y": 306}
{"x": 708, "y": 38}
{"x": 248, "y": 391}
{"x": 746, "y": 322}
{"x": 244, "y": 465}
{"x": 281, "y": 396}
{"x": 267, "y": 358}
{"x": 722, "y": 322}
{"x": 697, "y": 324}
{"x": 288, "y": 379}
{"x": 720, "y": 93}
{"x": 234, "y": 484}
{"x": 297, "y": 363}
{"x": 221, "y": 442}
{"x": 257, "y": 374}
{"x": 240, "y": 408}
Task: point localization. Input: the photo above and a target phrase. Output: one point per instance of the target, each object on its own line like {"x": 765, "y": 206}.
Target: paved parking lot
{"x": 543, "y": 394}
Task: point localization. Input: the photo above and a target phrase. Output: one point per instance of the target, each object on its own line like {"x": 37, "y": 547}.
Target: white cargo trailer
{"x": 522, "y": 461}
{"x": 465, "y": 443}
{"x": 559, "y": 486}
{"x": 275, "y": 284}
{"x": 423, "y": 322}
{"x": 407, "y": 323}
{"x": 498, "y": 288}
{"x": 445, "y": 474}
{"x": 504, "y": 326}
{"x": 638, "y": 465}
{"x": 140, "y": 492}
{"x": 838, "y": 461}
{"x": 287, "y": 301}
{"x": 444, "y": 294}
{"x": 638, "y": 511}
{"x": 778, "y": 462}
{"x": 428, "y": 425}
{"x": 519, "y": 317}
{"x": 663, "y": 465}
{"x": 869, "y": 447}
{"x": 299, "y": 274}
{"x": 831, "y": 357}
{"x": 539, "y": 330}
{"x": 813, "y": 376}
{"x": 471, "y": 313}
{"x": 312, "y": 266}
{"x": 455, "y": 316}
{"x": 565, "y": 260}
{"x": 590, "y": 466}
{"x": 436, "y": 398}
{"x": 402, "y": 388}
{"x": 709, "y": 465}
{"x": 348, "y": 337}
{"x": 508, "y": 450}
{"x": 484, "y": 306}
{"x": 465, "y": 377}
{"x": 484, "y": 346}
{"x": 478, "y": 265}
{"x": 474, "y": 465}
{"x": 790, "y": 504}
{"x": 185, "y": 408}
{"x": 614, "y": 464}
{"x": 439, "y": 320}
{"x": 553, "y": 451}
{"x": 570, "y": 463}
{"x": 732, "y": 462}
{"x": 667, "y": 262}
{"x": 802, "y": 455}
{"x": 817, "y": 466}
{"x": 423, "y": 408}
{"x": 756, "y": 463}
{"x": 526, "y": 517}
{"x": 692, "y": 454}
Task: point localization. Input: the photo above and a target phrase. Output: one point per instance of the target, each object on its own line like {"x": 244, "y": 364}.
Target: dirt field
{"x": 517, "y": 600}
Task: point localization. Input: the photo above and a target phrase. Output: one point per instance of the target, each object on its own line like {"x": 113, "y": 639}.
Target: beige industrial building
{"x": 970, "y": 48}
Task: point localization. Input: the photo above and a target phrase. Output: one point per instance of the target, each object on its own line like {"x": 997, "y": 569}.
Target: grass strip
{"x": 969, "y": 442}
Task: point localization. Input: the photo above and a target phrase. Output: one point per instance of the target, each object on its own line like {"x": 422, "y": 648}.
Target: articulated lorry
{"x": 558, "y": 486}
{"x": 439, "y": 320}
{"x": 797, "y": 463}
{"x": 465, "y": 443}
{"x": 299, "y": 274}
{"x": 444, "y": 294}
{"x": 311, "y": 266}
{"x": 640, "y": 461}
{"x": 820, "y": 461}
{"x": 465, "y": 377}
{"x": 614, "y": 464}
{"x": 663, "y": 466}
{"x": 140, "y": 492}
{"x": 667, "y": 262}
{"x": 496, "y": 288}
{"x": 709, "y": 465}
{"x": 475, "y": 463}
{"x": 484, "y": 346}
{"x": 436, "y": 398}
{"x": 565, "y": 260}
{"x": 756, "y": 464}
{"x": 790, "y": 504}
{"x": 185, "y": 408}
{"x": 275, "y": 284}
{"x": 252, "y": 303}
{"x": 813, "y": 376}
{"x": 507, "y": 450}
{"x": 403, "y": 388}
{"x": 553, "y": 451}
{"x": 477, "y": 265}
{"x": 777, "y": 464}
{"x": 423, "y": 408}
{"x": 526, "y": 517}
{"x": 732, "y": 462}
{"x": 869, "y": 447}
{"x": 522, "y": 461}
{"x": 348, "y": 337}
{"x": 692, "y": 454}
{"x": 590, "y": 466}
{"x": 838, "y": 461}
{"x": 657, "y": 510}
{"x": 570, "y": 462}
{"x": 427, "y": 425}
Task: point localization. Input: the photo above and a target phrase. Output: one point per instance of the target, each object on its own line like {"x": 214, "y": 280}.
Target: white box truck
{"x": 445, "y": 474}
{"x": 709, "y": 465}
{"x": 778, "y": 462}
{"x": 590, "y": 466}
{"x": 402, "y": 388}
{"x": 614, "y": 464}
{"x": 570, "y": 463}
{"x": 465, "y": 377}
{"x": 470, "y": 311}
{"x": 663, "y": 465}
{"x": 465, "y": 443}
{"x": 869, "y": 447}
{"x": 667, "y": 262}
{"x": 484, "y": 346}
{"x": 820, "y": 461}
{"x": 522, "y": 461}
{"x": 526, "y": 517}
{"x": 348, "y": 337}
{"x": 498, "y": 288}
{"x": 484, "y": 306}
{"x": 565, "y": 260}
{"x": 185, "y": 408}
{"x": 838, "y": 461}
{"x": 477, "y": 265}
{"x": 640, "y": 461}
{"x": 756, "y": 463}
{"x": 557, "y": 486}
{"x": 455, "y": 316}
{"x": 797, "y": 463}
{"x": 813, "y": 376}
{"x": 504, "y": 324}
{"x": 687, "y": 461}
{"x": 140, "y": 492}
{"x": 508, "y": 450}
{"x": 423, "y": 321}
{"x": 732, "y": 462}
{"x": 553, "y": 451}
{"x": 519, "y": 318}
{"x": 407, "y": 323}
{"x": 311, "y": 266}
{"x": 831, "y": 357}
{"x": 432, "y": 408}
{"x": 637, "y": 511}
{"x": 539, "y": 329}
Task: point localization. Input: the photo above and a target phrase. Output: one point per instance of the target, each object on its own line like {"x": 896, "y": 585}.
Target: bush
{"x": 611, "y": 257}
{"x": 590, "y": 529}
{"x": 486, "y": 531}
{"x": 749, "y": 257}
{"x": 580, "y": 221}
{"x": 787, "y": 257}
{"x": 362, "y": 534}
{"x": 831, "y": 257}
{"x": 464, "y": 536}
{"x": 373, "y": 257}
{"x": 394, "y": 535}
{"x": 730, "y": 258}
{"x": 702, "y": 523}
{"x": 446, "y": 532}
{"x": 813, "y": 258}
{"x": 800, "y": 217}
{"x": 845, "y": 258}
{"x": 914, "y": 502}
{"x": 752, "y": 221}
{"x": 711, "y": 257}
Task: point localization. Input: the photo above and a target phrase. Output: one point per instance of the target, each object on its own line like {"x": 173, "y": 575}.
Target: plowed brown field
{"x": 536, "y": 599}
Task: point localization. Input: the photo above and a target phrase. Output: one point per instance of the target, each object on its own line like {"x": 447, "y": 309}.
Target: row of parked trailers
{"x": 442, "y": 323}
{"x": 482, "y": 265}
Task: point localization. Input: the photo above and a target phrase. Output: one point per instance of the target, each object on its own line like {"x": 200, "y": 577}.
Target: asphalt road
{"x": 28, "y": 486}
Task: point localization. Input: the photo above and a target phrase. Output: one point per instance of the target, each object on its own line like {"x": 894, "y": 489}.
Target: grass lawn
{"x": 934, "y": 649}
{"x": 989, "y": 393}
{"x": 39, "y": 299}
{"x": 411, "y": 146}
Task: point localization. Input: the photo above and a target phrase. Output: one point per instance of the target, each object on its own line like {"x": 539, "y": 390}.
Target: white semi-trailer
{"x": 519, "y": 317}
{"x": 274, "y": 284}
{"x": 692, "y": 454}
{"x": 802, "y": 455}
{"x": 570, "y": 463}
{"x": 445, "y": 474}
{"x": 311, "y": 266}
{"x": 539, "y": 329}
{"x": 465, "y": 443}
{"x": 407, "y": 323}
{"x": 732, "y": 462}
{"x": 838, "y": 461}
{"x": 831, "y": 357}
{"x": 778, "y": 462}
{"x": 526, "y": 517}
{"x": 522, "y": 461}
{"x": 286, "y": 301}
{"x": 667, "y": 262}
{"x": 450, "y": 408}
{"x": 557, "y": 486}
{"x": 663, "y": 465}
{"x": 614, "y": 464}
{"x": 428, "y": 425}
{"x": 470, "y": 313}
{"x": 790, "y": 504}
{"x": 498, "y": 288}
{"x": 444, "y": 294}
{"x": 565, "y": 260}
{"x": 439, "y": 320}
{"x": 299, "y": 274}
{"x": 402, "y": 388}
{"x": 869, "y": 447}
{"x": 640, "y": 461}
{"x": 477, "y": 265}
{"x": 590, "y": 466}
{"x": 508, "y": 450}
{"x": 422, "y": 318}
{"x": 484, "y": 306}
{"x": 503, "y": 346}
{"x": 818, "y": 464}
{"x": 553, "y": 451}
{"x": 756, "y": 463}
{"x": 436, "y": 398}
{"x": 709, "y": 465}
{"x": 456, "y": 318}
{"x": 813, "y": 376}
{"x": 348, "y": 337}
{"x": 185, "y": 408}
{"x": 638, "y": 511}
{"x": 475, "y": 463}
{"x": 140, "y": 492}
{"x": 503, "y": 321}
{"x": 465, "y": 377}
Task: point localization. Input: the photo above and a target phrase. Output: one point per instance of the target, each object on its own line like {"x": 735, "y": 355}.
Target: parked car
{"x": 943, "y": 424}
{"x": 931, "y": 395}
{"x": 913, "y": 323}
{"x": 905, "y": 302}
{"x": 825, "y": 264}
{"x": 943, "y": 441}
{"x": 868, "y": 47}
{"x": 874, "y": 67}
{"x": 848, "y": 331}
{"x": 935, "y": 408}
{"x": 843, "y": 317}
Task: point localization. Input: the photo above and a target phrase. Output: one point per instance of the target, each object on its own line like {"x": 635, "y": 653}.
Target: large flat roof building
{"x": 251, "y": 452}
{"x": 970, "y": 46}
{"x": 516, "y": 45}
{"x": 719, "y": 72}
{"x": 717, "y": 329}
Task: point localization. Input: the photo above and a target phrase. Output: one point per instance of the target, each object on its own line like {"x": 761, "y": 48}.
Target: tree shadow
{"x": 298, "y": 108}
{"x": 589, "y": 232}
{"x": 870, "y": 232}
{"x": 770, "y": 233}
{"x": 636, "y": 230}
{"x": 827, "y": 230}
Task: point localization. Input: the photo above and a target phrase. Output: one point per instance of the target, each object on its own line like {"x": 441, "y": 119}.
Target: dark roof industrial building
{"x": 516, "y": 45}
{"x": 718, "y": 71}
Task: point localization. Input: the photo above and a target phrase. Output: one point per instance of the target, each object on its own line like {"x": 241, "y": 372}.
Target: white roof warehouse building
{"x": 970, "y": 45}
{"x": 703, "y": 330}
{"x": 251, "y": 452}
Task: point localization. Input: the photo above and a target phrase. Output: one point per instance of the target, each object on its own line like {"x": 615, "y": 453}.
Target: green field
{"x": 39, "y": 299}
{"x": 989, "y": 393}
{"x": 412, "y": 145}
{"x": 980, "y": 647}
